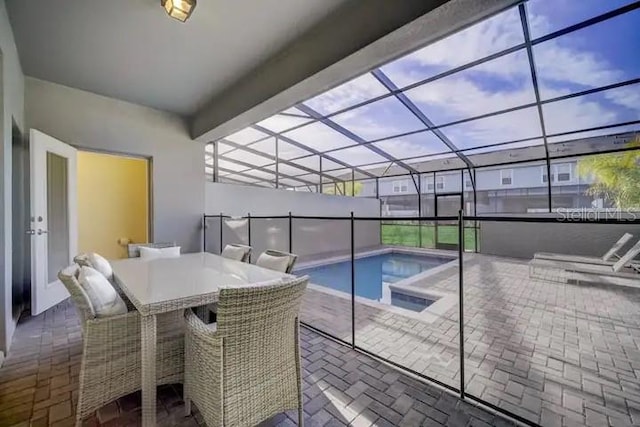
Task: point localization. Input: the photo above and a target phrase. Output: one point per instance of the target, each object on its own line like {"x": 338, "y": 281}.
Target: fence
{"x": 492, "y": 333}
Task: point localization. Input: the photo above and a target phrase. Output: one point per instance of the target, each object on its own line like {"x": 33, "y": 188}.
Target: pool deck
{"x": 552, "y": 353}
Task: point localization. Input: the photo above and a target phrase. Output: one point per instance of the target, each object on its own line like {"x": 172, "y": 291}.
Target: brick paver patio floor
{"x": 39, "y": 386}
{"x": 556, "y": 354}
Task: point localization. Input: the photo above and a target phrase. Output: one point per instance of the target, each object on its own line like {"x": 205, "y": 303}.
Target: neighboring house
{"x": 509, "y": 189}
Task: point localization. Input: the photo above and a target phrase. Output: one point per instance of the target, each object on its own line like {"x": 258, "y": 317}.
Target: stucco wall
{"x": 95, "y": 122}
{"x": 523, "y": 240}
{"x": 310, "y": 236}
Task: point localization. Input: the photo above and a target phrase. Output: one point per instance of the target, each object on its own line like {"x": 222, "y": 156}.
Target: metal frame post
{"x": 249, "y": 232}
{"x": 461, "y": 297}
{"x": 290, "y": 233}
{"x": 277, "y": 164}
{"x": 353, "y": 285}
{"x": 204, "y": 233}
{"x": 221, "y": 236}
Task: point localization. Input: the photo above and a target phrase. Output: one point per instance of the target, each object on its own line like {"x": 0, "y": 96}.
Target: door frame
{"x": 149, "y": 159}
{"x": 446, "y": 246}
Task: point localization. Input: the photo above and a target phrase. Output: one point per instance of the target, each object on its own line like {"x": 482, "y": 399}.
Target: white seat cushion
{"x": 234, "y": 252}
{"x": 101, "y": 264}
{"x": 104, "y": 298}
{"x": 276, "y": 263}
{"x": 148, "y": 254}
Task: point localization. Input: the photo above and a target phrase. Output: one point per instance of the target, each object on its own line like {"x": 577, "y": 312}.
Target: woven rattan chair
{"x": 134, "y": 248}
{"x": 274, "y": 253}
{"x": 245, "y": 368}
{"x": 237, "y": 252}
{"x": 111, "y": 362}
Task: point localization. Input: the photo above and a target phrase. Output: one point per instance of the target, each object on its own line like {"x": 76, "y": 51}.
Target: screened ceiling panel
{"x": 417, "y": 144}
{"x": 612, "y": 131}
{"x": 224, "y": 164}
{"x": 380, "y": 119}
{"x": 516, "y": 125}
{"x": 247, "y": 157}
{"x": 495, "y": 85}
{"x": 311, "y": 177}
{"x": 312, "y": 162}
{"x": 290, "y": 170}
{"x": 454, "y": 84}
{"x": 510, "y": 153}
{"x": 597, "y": 109}
{"x": 320, "y": 137}
{"x": 246, "y": 136}
{"x": 487, "y": 37}
{"x": 260, "y": 174}
{"x": 610, "y": 141}
{"x": 351, "y": 93}
{"x": 357, "y": 156}
{"x": 548, "y": 16}
{"x": 239, "y": 177}
{"x": 282, "y": 122}
{"x": 592, "y": 57}
{"x": 289, "y": 151}
{"x": 268, "y": 146}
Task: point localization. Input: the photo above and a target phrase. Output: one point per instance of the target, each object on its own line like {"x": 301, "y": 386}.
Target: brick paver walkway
{"x": 39, "y": 382}
{"x": 555, "y": 354}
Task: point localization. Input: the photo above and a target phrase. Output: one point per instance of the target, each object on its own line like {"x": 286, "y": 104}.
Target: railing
{"x": 488, "y": 297}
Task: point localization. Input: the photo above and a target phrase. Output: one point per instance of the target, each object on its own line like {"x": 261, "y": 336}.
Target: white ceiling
{"x": 131, "y": 50}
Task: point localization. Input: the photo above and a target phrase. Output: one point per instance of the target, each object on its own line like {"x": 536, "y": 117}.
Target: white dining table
{"x": 169, "y": 284}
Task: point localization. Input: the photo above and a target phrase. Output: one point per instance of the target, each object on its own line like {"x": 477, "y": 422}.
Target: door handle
{"x": 40, "y": 231}
{"x": 31, "y": 232}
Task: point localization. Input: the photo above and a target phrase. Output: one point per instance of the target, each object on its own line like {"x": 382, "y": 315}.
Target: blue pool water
{"x": 373, "y": 274}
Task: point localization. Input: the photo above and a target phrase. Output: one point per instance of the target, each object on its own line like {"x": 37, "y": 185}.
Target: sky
{"x": 602, "y": 54}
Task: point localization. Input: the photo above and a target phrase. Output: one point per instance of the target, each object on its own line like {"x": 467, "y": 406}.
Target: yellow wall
{"x": 113, "y": 202}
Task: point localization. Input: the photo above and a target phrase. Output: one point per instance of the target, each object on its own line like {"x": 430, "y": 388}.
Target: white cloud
{"x": 353, "y": 92}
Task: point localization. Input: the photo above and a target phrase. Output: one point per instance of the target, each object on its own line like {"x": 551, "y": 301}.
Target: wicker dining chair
{"x": 245, "y": 368}
{"x": 134, "y": 248}
{"x": 292, "y": 258}
{"x": 111, "y": 361}
{"x": 237, "y": 252}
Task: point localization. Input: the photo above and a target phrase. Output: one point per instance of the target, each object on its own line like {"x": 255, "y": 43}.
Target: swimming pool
{"x": 373, "y": 274}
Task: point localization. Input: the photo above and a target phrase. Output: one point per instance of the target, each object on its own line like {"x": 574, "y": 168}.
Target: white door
{"x": 54, "y": 222}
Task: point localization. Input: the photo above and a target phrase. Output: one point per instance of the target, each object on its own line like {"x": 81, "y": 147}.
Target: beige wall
{"x": 95, "y": 122}
{"x": 113, "y": 196}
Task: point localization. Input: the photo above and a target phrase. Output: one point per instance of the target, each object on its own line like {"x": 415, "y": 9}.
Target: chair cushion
{"x": 104, "y": 298}
{"x": 100, "y": 263}
{"x": 233, "y": 252}
{"x": 276, "y": 263}
{"x": 148, "y": 254}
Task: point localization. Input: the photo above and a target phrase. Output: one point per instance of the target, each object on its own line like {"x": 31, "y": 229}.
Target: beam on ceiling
{"x": 390, "y": 86}
{"x": 342, "y": 49}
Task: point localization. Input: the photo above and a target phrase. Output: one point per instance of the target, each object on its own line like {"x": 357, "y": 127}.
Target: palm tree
{"x": 616, "y": 176}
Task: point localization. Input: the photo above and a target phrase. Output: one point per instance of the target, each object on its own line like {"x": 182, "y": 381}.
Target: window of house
{"x": 401, "y": 186}
{"x": 506, "y": 177}
{"x": 440, "y": 182}
{"x": 563, "y": 172}
{"x": 467, "y": 183}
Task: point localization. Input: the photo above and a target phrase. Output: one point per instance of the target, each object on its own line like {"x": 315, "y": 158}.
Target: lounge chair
{"x": 616, "y": 274}
{"x": 608, "y": 258}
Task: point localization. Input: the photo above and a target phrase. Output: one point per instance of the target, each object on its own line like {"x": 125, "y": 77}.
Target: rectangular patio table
{"x": 169, "y": 284}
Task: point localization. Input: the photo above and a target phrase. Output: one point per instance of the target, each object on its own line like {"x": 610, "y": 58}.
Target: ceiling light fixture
{"x": 179, "y": 9}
